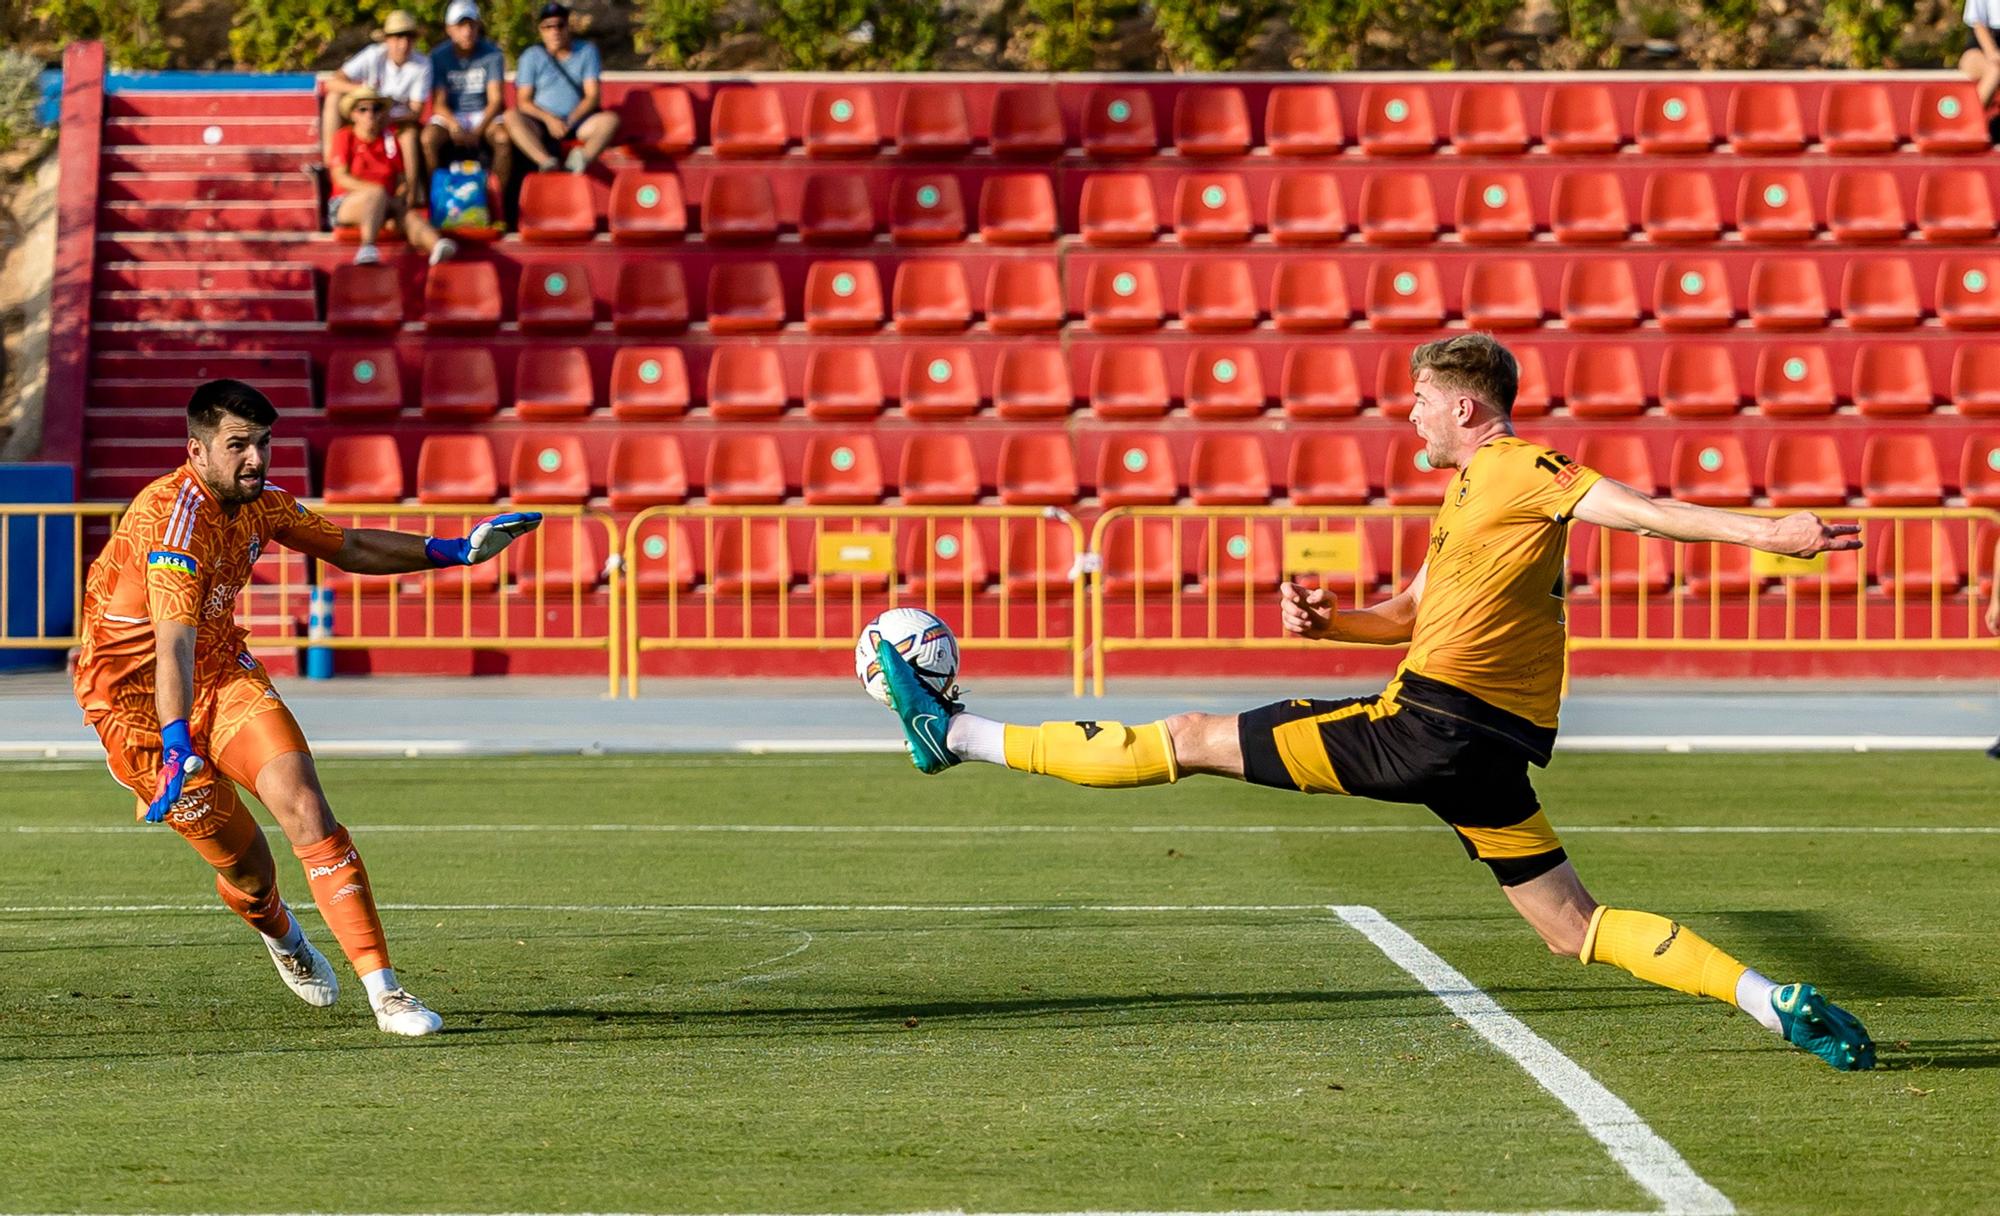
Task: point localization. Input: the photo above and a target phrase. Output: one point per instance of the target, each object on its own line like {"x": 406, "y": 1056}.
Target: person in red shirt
{"x": 368, "y": 171}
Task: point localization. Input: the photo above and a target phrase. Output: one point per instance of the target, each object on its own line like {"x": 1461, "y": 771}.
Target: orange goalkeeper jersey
{"x": 178, "y": 555}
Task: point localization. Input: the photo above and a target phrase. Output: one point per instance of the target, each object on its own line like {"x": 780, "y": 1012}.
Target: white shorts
{"x": 469, "y": 121}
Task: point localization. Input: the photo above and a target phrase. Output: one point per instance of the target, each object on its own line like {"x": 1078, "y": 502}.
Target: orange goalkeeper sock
{"x": 268, "y": 915}
{"x": 1661, "y": 951}
{"x": 340, "y": 888}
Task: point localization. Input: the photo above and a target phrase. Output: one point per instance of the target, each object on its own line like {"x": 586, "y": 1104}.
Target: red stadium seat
{"x": 933, "y": 122}
{"x": 1319, "y": 381}
{"x": 553, "y": 385}
{"x": 369, "y": 299}
{"x": 363, "y": 384}
{"x": 1309, "y": 297}
{"x": 556, "y": 207}
{"x": 564, "y": 556}
{"x": 745, "y": 298}
{"x": 461, "y": 297}
{"x": 456, "y": 469}
{"x": 1764, "y": 118}
{"x": 1117, "y": 209}
{"x": 1673, "y": 118}
{"x": 1803, "y": 470}
{"x": 1211, "y": 120}
{"x": 1679, "y": 205}
{"x": 1303, "y": 120}
{"x": 1879, "y": 293}
{"x": 1711, "y": 469}
{"x": 1892, "y": 380}
{"x": 842, "y": 470}
{"x": 646, "y": 471}
{"x": 1217, "y": 295}
{"x": 1975, "y": 380}
{"x": 927, "y": 209}
{"x": 1024, "y": 297}
{"x": 1032, "y": 381}
{"x": 1501, "y": 293}
{"x": 1305, "y": 209}
{"x": 648, "y": 384}
{"x": 1772, "y": 205}
{"x": 747, "y": 120}
{"x": 1327, "y": 470}
{"x": 1493, "y": 208}
{"x": 1027, "y": 121}
{"x": 835, "y": 209}
{"x": 1018, "y": 209}
{"x": 1397, "y": 209}
{"x": 1856, "y": 118}
{"x": 1589, "y": 206}
{"x": 931, "y": 297}
{"x": 1599, "y": 294}
{"x": 1621, "y": 456}
{"x": 939, "y": 382}
{"x": 748, "y": 556}
{"x": 1693, "y": 294}
{"x": 1486, "y": 120}
{"x": 1715, "y": 570}
{"x": 944, "y": 557}
{"x": 840, "y": 121}
{"x": 939, "y": 470}
{"x": 363, "y": 468}
{"x": 744, "y": 469}
{"x": 1954, "y": 205}
{"x": 663, "y": 558}
{"x": 1698, "y": 381}
{"x": 1141, "y": 556}
{"x": 842, "y": 383}
{"x": 1234, "y": 556}
{"x": 1900, "y": 470}
{"x": 647, "y": 206}
{"x": 1968, "y": 292}
{"x": 1531, "y": 394}
{"x": 1224, "y": 382}
{"x": 1037, "y": 470}
{"x": 1622, "y": 564}
{"x": 1229, "y": 471}
{"x": 652, "y": 297}
{"x": 739, "y": 205}
{"x": 1579, "y": 119}
{"x": 1136, "y": 470}
{"x": 1915, "y": 557}
{"x": 1978, "y": 473}
{"x": 1404, "y": 293}
{"x": 1794, "y": 381}
{"x": 555, "y": 299}
{"x": 1039, "y": 558}
{"x": 1118, "y": 121}
{"x": 1396, "y": 121}
{"x": 1395, "y": 387}
{"x": 460, "y": 385}
{"x": 659, "y": 118}
{"x": 1864, "y": 205}
{"x": 548, "y": 469}
{"x": 1408, "y": 478}
{"x": 1948, "y": 117}
{"x": 1122, "y": 296}
{"x": 1212, "y": 209}
{"x": 1604, "y": 382}
{"x": 746, "y": 382}
{"x": 1786, "y": 293}
{"x": 1128, "y": 382}
{"x": 843, "y": 297}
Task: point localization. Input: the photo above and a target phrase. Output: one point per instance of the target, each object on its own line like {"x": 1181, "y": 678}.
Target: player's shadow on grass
{"x": 1789, "y": 945}
{"x": 1917, "y": 1055}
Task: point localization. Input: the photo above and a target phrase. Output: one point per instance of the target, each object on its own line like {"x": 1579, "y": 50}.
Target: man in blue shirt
{"x": 468, "y": 73}
{"x": 556, "y": 91}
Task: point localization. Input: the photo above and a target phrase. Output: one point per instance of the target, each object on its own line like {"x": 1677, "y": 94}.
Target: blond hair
{"x": 1474, "y": 364}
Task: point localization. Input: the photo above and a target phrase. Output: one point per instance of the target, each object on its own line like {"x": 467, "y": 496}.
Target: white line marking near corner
{"x": 1651, "y": 1161}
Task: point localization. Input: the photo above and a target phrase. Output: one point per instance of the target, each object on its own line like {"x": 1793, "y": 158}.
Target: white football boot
{"x": 397, "y": 1012}
{"x": 306, "y": 973}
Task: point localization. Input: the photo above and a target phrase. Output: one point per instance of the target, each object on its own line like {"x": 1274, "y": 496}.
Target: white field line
{"x": 1650, "y": 1160}
{"x": 959, "y": 1212}
{"x": 1056, "y": 829}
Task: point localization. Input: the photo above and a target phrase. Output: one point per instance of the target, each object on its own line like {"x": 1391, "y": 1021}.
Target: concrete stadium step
{"x": 241, "y": 215}
{"x": 193, "y": 367}
{"x": 136, "y": 158}
{"x": 118, "y": 468}
{"x": 171, "y": 186}
{"x": 274, "y": 103}
{"x": 204, "y": 276}
{"x": 222, "y": 305}
{"x": 134, "y": 402}
{"x": 245, "y": 129}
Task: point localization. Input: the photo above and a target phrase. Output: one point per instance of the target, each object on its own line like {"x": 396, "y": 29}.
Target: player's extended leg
{"x": 1667, "y": 953}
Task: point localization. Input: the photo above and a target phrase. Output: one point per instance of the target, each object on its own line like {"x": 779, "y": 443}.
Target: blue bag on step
{"x": 458, "y": 196}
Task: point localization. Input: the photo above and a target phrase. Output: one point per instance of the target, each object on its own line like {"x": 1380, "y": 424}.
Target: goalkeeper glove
{"x": 177, "y": 763}
{"x": 489, "y": 537}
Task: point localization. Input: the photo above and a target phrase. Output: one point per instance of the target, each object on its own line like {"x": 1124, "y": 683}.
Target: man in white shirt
{"x": 1981, "y": 60}
{"x": 393, "y": 68}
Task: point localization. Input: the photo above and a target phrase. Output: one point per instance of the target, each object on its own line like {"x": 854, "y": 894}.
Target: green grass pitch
{"x": 836, "y": 1019}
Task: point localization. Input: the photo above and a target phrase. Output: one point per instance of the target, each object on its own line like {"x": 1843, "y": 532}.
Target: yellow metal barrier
{"x": 722, "y": 578}
{"x": 52, "y": 518}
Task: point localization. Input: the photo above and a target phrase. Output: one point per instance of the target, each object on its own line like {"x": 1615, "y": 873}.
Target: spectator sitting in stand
{"x": 392, "y": 68}
{"x": 368, "y": 171}
{"x": 467, "y": 75}
{"x": 556, "y": 89}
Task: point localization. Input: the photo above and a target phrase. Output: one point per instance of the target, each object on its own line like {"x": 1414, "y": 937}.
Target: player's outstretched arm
{"x": 376, "y": 551}
{"x": 1612, "y": 504}
{"x": 1309, "y": 612}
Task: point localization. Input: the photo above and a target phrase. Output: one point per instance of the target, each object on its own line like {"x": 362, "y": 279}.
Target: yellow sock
{"x": 1108, "y": 754}
{"x": 1661, "y": 951}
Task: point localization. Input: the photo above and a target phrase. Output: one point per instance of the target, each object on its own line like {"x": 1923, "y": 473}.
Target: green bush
{"x": 129, "y": 29}
{"x": 1469, "y": 25}
{"x": 906, "y": 35}
{"x": 1207, "y": 35}
{"x": 1330, "y": 35}
{"x": 289, "y": 35}
{"x": 1864, "y": 33}
{"x": 1590, "y": 27}
{"x": 1063, "y": 35}
{"x": 673, "y": 32}
{"x": 20, "y": 94}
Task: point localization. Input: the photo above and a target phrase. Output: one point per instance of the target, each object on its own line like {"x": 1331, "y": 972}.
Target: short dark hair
{"x": 1475, "y": 364}
{"x": 233, "y": 397}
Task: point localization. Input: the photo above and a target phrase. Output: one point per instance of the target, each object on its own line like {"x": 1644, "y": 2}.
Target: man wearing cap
{"x": 368, "y": 170}
{"x": 467, "y": 73}
{"x": 392, "y": 68}
{"x": 556, "y": 94}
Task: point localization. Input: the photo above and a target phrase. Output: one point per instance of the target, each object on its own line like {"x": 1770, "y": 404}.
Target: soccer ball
{"x": 918, "y": 636}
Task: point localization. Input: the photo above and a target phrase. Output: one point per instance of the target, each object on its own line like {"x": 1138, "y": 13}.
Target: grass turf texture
{"x": 805, "y": 1061}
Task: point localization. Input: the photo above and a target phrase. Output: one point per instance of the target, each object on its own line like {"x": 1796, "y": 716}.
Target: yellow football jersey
{"x": 1490, "y": 622}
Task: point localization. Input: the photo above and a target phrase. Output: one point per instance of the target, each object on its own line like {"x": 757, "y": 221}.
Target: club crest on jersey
{"x": 162, "y": 559}
{"x": 245, "y": 661}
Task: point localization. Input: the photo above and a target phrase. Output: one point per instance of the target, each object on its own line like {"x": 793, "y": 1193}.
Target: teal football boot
{"x": 1811, "y": 1021}
{"x": 926, "y": 716}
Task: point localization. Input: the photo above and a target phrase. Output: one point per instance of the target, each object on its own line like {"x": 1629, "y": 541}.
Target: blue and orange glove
{"x": 177, "y": 763}
{"x": 489, "y": 537}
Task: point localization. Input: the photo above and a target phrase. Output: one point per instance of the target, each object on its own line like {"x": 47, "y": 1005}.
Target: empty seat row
{"x": 1898, "y": 469}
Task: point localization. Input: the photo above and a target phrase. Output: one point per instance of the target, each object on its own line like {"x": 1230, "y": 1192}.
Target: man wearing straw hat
{"x": 392, "y": 67}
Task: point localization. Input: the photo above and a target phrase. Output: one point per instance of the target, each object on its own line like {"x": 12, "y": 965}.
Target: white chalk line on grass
{"x": 958, "y": 1212}
{"x": 1059, "y": 829}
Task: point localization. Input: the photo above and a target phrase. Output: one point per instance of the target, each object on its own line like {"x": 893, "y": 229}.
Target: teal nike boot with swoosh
{"x": 1818, "y": 1025}
{"x": 926, "y": 716}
